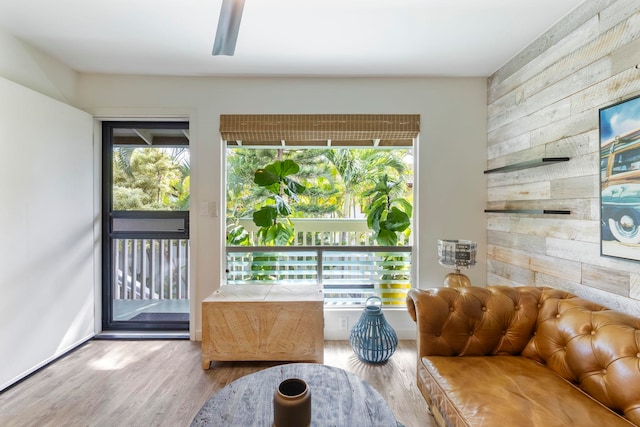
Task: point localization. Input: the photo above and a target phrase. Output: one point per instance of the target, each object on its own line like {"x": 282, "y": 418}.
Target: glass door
{"x": 146, "y": 174}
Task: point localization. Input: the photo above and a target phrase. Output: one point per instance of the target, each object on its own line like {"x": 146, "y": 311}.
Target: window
{"x": 628, "y": 160}
{"x": 334, "y": 212}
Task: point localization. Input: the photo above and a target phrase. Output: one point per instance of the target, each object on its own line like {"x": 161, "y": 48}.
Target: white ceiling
{"x": 285, "y": 37}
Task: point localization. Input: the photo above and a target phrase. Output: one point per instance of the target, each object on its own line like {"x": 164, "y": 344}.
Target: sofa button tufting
{"x": 451, "y": 309}
{"x": 581, "y": 358}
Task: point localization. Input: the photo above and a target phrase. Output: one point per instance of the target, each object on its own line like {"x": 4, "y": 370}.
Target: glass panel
{"x": 151, "y": 178}
{"x": 333, "y": 207}
{"x": 349, "y": 275}
{"x": 340, "y": 217}
{"x": 626, "y": 161}
{"x": 150, "y": 280}
{"x": 253, "y": 267}
{"x": 147, "y": 203}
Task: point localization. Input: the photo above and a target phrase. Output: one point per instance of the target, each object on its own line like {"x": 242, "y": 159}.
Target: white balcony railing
{"x": 338, "y": 254}
{"x": 348, "y": 274}
{"x": 325, "y": 232}
{"x": 155, "y": 269}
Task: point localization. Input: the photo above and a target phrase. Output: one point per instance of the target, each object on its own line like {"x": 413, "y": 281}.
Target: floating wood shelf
{"x": 530, "y": 211}
{"x": 528, "y": 164}
{"x": 525, "y": 165}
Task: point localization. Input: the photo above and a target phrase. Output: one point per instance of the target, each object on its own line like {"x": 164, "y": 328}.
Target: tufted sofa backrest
{"x": 593, "y": 347}
{"x": 475, "y": 321}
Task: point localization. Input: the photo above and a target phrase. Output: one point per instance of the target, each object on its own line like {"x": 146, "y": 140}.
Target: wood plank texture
{"x": 545, "y": 102}
{"x": 263, "y": 322}
{"x": 567, "y": 30}
{"x": 617, "y": 282}
{"x": 161, "y": 383}
{"x": 532, "y": 244}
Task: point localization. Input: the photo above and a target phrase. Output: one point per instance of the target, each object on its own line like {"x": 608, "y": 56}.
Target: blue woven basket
{"x": 372, "y": 338}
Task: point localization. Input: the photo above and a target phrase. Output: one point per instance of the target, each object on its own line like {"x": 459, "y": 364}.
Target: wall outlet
{"x": 208, "y": 209}
{"x": 344, "y": 322}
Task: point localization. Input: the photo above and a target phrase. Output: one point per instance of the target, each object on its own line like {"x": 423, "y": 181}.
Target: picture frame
{"x": 619, "y": 135}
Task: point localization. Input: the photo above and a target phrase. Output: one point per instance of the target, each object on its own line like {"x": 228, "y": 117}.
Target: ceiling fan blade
{"x": 228, "y": 26}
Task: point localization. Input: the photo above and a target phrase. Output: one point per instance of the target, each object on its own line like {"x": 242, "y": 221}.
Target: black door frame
{"x": 108, "y": 324}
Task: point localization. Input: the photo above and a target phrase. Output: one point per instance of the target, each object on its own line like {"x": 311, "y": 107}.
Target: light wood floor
{"x": 161, "y": 383}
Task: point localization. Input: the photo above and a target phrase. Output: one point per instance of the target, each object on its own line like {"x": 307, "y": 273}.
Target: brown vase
{"x": 292, "y": 404}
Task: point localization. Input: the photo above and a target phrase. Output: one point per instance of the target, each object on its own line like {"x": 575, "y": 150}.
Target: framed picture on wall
{"x": 620, "y": 179}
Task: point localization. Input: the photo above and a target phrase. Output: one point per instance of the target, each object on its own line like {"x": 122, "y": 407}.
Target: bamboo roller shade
{"x": 320, "y": 129}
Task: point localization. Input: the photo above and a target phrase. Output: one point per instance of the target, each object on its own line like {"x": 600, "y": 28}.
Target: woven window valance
{"x": 319, "y": 129}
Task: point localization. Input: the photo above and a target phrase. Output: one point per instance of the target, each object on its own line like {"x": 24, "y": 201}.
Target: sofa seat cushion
{"x": 507, "y": 391}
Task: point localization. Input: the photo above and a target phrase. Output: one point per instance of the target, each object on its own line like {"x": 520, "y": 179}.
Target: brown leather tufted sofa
{"x": 525, "y": 356}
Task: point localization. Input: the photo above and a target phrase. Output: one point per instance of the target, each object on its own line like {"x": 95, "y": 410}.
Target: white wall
{"x": 47, "y": 248}
{"x": 25, "y": 65}
{"x": 451, "y": 155}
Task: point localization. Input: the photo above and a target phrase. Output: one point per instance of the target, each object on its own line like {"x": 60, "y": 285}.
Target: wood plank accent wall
{"x": 544, "y": 103}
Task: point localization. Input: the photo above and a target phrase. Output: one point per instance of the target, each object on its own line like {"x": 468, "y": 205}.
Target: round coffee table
{"x": 338, "y": 398}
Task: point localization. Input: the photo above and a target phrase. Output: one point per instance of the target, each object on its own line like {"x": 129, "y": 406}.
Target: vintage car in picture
{"x": 620, "y": 188}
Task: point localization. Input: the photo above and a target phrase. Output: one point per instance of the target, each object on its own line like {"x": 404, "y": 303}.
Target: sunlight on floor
{"x": 118, "y": 358}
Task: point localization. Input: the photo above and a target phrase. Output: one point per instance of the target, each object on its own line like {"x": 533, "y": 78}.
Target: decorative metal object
{"x": 292, "y": 404}
{"x": 456, "y": 254}
{"x": 372, "y": 338}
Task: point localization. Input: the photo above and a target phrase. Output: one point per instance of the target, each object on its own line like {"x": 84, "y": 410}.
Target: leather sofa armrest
{"x": 412, "y": 297}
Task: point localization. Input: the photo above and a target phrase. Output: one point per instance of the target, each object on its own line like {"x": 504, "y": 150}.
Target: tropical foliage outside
{"x": 370, "y": 184}
{"x": 338, "y": 183}
{"x": 272, "y": 187}
{"x": 151, "y": 178}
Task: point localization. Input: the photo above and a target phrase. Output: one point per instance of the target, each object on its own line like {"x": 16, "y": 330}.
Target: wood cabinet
{"x": 263, "y": 322}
